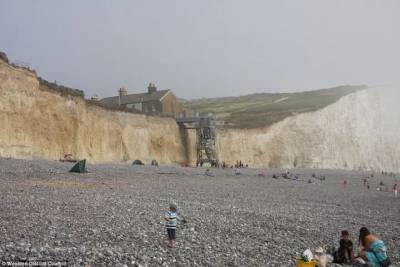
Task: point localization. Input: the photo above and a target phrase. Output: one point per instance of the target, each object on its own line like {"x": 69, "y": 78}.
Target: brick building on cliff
{"x": 155, "y": 102}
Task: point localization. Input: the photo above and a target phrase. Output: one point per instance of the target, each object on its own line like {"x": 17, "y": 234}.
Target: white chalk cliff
{"x": 360, "y": 131}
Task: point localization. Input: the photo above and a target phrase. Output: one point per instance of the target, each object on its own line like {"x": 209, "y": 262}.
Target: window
{"x": 138, "y": 106}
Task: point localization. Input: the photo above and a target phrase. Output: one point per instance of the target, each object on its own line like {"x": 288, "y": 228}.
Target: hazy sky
{"x": 205, "y": 48}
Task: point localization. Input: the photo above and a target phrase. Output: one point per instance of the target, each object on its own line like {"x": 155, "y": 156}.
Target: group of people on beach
{"x": 372, "y": 250}
{"x": 380, "y": 187}
{"x": 390, "y": 174}
{"x": 238, "y": 164}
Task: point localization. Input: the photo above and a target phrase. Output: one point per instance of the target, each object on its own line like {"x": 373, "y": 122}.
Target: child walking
{"x": 171, "y": 218}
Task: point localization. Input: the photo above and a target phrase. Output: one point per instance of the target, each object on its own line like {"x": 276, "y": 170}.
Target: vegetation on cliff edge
{"x": 265, "y": 109}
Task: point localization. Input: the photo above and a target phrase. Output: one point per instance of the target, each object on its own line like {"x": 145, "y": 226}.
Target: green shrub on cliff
{"x": 4, "y": 57}
{"x": 63, "y": 90}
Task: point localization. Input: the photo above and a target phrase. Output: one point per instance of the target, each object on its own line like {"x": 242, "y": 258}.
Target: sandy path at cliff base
{"x": 111, "y": 216}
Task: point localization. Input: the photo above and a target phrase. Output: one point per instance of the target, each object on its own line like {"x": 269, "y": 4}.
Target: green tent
{"x": 79, "y": 167}
{"x": 137, "y": 162}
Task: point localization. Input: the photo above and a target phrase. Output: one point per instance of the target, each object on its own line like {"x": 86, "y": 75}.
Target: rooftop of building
{"x": 156, "y": 95}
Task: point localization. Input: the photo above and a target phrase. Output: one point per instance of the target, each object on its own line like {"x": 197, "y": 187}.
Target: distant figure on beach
{"x": 208, "y": 173}
{"x": 372, "y": 249}
{"x": 345, "y": 252}
{"x": 395, "y": 190}
{"x": 171, "y": 218}
{"x": 344, "y": 183}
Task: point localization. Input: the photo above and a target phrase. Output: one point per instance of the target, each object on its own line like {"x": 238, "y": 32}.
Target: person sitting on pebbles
{"x": 171, "y": 218}
{"x": 372, "y": 249}
{"x": 208, "y": 173}
{"x": 345, "y": 253}
{"x": 320, "y": 257}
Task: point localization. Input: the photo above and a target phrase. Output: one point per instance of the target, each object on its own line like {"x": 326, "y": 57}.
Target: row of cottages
{"x": 155, "y": 102}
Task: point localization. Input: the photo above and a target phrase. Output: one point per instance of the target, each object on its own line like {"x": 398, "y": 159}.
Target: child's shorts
{"x": 171, "y": 233}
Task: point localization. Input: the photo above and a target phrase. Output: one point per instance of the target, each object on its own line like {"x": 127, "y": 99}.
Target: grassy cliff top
{"x": 264, "y": 109}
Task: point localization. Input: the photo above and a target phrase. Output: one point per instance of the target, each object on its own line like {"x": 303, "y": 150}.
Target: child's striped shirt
{"x": 172, "y": 219}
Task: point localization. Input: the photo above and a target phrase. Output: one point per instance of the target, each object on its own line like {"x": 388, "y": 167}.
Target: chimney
{"x": 151, "y": 88}
{"x": 121, "y": 92}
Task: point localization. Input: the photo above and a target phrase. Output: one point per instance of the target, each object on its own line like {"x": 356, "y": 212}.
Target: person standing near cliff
{"x": 171, "y": 218}
{"x": 395, "y": 190}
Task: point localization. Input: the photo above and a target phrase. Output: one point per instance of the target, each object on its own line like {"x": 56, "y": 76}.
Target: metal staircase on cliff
{"x": 205, "y": 138}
